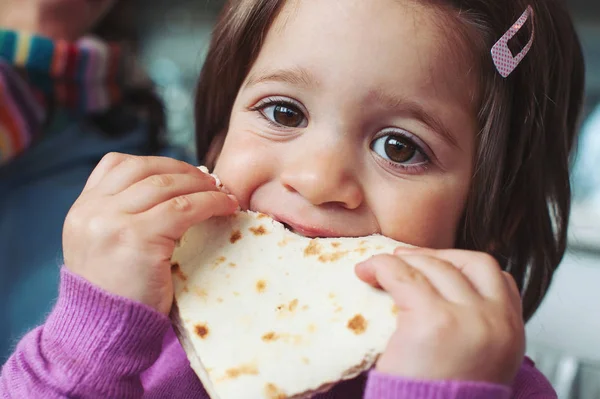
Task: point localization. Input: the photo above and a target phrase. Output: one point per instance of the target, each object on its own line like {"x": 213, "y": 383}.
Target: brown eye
{"x": 284, "y": 115}
{"x": 398, "y": 149}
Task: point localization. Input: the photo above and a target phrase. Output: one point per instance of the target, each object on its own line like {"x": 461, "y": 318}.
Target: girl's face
{"x": 356, "y": 118}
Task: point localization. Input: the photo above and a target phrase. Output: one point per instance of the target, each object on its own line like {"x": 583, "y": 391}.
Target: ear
{"x": 214, "y": 150}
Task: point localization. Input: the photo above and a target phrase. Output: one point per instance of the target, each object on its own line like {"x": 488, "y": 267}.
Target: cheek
{"x": 245, "y": 163}
{"x": 423, "y": 217}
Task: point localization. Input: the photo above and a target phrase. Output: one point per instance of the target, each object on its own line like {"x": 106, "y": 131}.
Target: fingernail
{"x": 232, "y": 197}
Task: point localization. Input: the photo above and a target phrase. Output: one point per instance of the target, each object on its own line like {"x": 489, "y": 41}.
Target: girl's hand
{"x": 459, "y": 315}
{"x": 121, "y": 232}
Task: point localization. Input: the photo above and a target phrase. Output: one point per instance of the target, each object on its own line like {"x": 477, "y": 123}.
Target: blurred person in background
{"x": 70, "y": 91}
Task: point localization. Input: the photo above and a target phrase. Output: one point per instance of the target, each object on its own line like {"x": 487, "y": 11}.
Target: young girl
{"x": 425, "y": 121}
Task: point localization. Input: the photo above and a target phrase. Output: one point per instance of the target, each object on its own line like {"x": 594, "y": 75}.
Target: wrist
{"x": 387, "y": 386}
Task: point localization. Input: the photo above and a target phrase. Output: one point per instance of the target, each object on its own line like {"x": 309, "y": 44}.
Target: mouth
{"x": 306, "y": 231}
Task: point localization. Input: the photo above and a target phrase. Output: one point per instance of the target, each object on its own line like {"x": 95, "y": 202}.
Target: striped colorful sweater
{"x": 38, "y": 75}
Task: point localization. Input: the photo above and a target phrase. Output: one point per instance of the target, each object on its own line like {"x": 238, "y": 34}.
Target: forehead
{"x": 382, "y": 43}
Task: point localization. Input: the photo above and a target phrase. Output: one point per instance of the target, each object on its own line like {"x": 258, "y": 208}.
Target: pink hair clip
{"x": 503, "y": 58}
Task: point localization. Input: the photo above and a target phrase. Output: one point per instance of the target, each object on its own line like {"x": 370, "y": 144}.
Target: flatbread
{"x": 264, "y": 313}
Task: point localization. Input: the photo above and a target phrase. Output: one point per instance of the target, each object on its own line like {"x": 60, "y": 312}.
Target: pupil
{"x": 287, "y": 116}
{"x": 399, "y": 150}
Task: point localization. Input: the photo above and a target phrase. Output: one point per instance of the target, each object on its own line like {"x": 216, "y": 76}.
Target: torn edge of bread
{"x": 204, "y": 169}
{"x": 186, "y": 342}
{"x": 367, "y": 363}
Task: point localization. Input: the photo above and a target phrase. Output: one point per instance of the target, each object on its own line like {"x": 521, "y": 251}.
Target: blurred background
{"x": 564, "y": 335}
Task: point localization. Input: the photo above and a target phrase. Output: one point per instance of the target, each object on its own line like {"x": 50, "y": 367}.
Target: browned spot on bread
{"x": 201, "y": 292}
{"x": 293, "y": 305}
{"x": 262, "y": 216}
{"x": 362, "y": 243}
{"x": 283, "y": 243}
{"x": 335, "y": 244}
{"x": 280, "y": 307}
{"x": 270, "y": 336}
{"x": 338, "y": 309}
{"x": 244, "y": 369}
{"x": 379, "y": 247}
{"x": 235, "y": 236}
{"x": 361, "y": 250}
{"x": 332, "y": 257}
{"x": 258, "y": 231}
{"x": 313, "y": 248}
{"x": 220, "y": 260}
{"x": 331, "y": 295}
{"x": 305, "y": 307}
{"x": 305, "y": 360}
{"x": 358, "y": 324}
{"x": 176, "y": 270}
{"x": 186, "y": 289}
{"x": 273, "y": 392}
{"x": 395, "y": 309}
{"x": 261, "y": 286}
{"x": 231, "y": 264}
{"x": 220, "y": 300}
{"x": 201, "y": 330}
{"x": 312, "y": 328}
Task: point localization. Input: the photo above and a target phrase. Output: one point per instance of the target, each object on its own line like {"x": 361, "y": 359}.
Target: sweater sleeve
{"x": 529, "y": 383}
{"x": 385, "y": 386}
{"x": 93, "y": 345}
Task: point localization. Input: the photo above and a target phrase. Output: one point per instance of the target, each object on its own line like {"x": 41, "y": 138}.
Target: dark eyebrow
{"x": 416, "y": 111}
{"x": 295, "y": 76}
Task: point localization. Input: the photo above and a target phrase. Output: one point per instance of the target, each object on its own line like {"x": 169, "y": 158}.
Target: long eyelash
{"x": 273, "y": 101}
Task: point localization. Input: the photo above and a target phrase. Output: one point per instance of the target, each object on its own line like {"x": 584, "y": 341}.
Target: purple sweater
{"x": 97, "y": 345}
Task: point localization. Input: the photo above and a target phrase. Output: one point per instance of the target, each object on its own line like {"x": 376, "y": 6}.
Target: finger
{"x": 482, "y": 270}
{"x": 407, "y": 286}
{"x": 453, "y": 285}
{"x": 178, "y": 214}
{"x": 106, "y": 164}
{"x": 155, "y": 189}
{"x": 134, "y": 169}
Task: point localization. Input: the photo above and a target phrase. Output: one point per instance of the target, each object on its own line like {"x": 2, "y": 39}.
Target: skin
{"x": 305, "y": 145}
{"x": 57, "y": 19}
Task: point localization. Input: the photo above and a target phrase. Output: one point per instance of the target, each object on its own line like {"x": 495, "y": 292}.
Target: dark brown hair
{"x": 118, "y": 25}
{"x": 518, "y": 207}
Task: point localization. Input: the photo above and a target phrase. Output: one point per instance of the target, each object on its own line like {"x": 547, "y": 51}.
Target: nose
{"x": 324, "y": 175}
